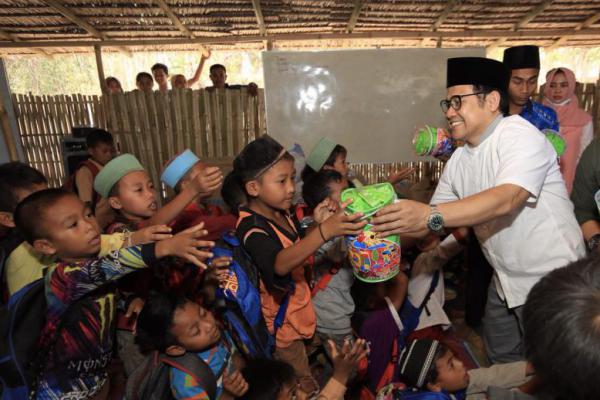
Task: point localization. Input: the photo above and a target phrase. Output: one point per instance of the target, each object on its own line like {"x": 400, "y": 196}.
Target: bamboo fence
{"x": 155, "y": 126}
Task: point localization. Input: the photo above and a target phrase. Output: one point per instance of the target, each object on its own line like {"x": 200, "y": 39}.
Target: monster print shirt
{"x": 81, "y": 321}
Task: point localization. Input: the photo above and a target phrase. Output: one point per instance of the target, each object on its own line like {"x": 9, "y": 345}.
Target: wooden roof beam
{"x": 57, "y": 6}
{"x": 358, "y": 5}
{"x": 14, "y": 38}
{"x": 468, "y": 34}
{"x": 174, "y": 18}
{"x": 262, "y": 28}
{"x": 450, "y": 6}
{"x": 530, "y": 16}
{"x": 585, "y": 24}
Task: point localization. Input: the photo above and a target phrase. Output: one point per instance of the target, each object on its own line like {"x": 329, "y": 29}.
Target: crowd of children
{"x": 140, "y": 291}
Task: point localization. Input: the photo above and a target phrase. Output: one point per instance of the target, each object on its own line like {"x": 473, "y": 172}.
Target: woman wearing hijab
{"x": 575, "y": 124}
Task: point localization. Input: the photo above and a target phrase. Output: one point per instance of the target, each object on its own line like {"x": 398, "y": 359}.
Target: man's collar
{"x": 489, "y": 129}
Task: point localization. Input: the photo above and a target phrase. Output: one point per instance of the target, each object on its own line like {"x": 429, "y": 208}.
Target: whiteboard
{"x": 370, "y": 101}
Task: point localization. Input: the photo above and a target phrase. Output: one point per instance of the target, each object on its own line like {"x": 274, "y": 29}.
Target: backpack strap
{"x": 434, "y": 282}
{"x": 280, "y": 316}
{"x": 325, "y": 279}
{"x": 91, "y": 166}
{"x": 197, "y": 368}
{"x": 94, "y": 170}
{"x": 406, "y": 326}
{"x": 388, "y": 373}
{"x": 259, "y": 223}
{"x": 411, "y": 315}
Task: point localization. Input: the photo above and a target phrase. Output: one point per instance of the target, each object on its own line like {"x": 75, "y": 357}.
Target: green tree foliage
{"x": 76, "y": 73}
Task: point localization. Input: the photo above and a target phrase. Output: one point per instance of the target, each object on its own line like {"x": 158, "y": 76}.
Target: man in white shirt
{"x": 506, "y": 184}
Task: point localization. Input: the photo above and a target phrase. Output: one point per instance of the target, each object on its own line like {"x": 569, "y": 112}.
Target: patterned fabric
{"x": 76, "y": 367}
{"x": 540, "y": 116}
{"x": 219, "y": 359}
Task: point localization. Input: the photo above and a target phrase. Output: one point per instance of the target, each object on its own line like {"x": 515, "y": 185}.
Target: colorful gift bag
{"x": 436, "y": 142}
{"x": 373, "y": 259}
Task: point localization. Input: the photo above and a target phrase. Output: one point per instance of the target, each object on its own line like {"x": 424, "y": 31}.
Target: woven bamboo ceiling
{"x": 51, "y": 26}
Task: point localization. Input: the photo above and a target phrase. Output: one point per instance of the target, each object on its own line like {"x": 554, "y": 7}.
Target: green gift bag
{"x": 372, "y": 259}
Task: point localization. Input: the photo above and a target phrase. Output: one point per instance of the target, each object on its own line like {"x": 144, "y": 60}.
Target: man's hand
{"x": 185, "y": 245}
{"x": 406, "y": 217}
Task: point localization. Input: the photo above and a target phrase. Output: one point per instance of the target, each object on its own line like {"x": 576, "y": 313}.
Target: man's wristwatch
{"x": 435, "y": 221}
{"x": 593, "y": 242}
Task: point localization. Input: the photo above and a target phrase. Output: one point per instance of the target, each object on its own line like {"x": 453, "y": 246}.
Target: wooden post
{"x": 100, "y": 66}
{"x": 13, "y": 150}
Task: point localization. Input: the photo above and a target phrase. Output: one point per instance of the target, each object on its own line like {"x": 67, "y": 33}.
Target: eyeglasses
{"x": 455, "y": 102}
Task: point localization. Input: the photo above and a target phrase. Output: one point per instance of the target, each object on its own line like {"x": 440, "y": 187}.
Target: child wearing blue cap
{"x": 131, "y": 193}
{"x": 179, "y": 174}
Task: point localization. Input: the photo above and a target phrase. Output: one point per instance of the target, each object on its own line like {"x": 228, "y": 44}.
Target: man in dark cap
{"x": 523, "y": 62}
{"x": 506, "y": 184}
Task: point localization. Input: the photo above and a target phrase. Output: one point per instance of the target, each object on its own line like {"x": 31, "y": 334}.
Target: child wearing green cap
{"x": 329, "y": 155}
{"x": 131, "y": 193}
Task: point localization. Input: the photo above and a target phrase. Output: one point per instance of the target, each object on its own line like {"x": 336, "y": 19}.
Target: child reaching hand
{"x": 270, "y": 379}
{"x": 131, "y": 193}
{"x": 76, "y": 345}
{"x": 265, "y": 172}
{"x": 181, "y": 172}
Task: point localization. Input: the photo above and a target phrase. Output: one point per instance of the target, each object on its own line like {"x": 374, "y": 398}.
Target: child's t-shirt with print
{"x": 220, "y": 360}
{"x": 81, "y": 300}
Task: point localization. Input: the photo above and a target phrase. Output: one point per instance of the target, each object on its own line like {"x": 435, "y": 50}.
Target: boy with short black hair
{"x": 80, "y": 299}
{"x": 429, "y": 365}
{"x": 332, "y": 273}
{"x": 144, "y": 82}
{"x": 17, "y": 181}
{"x": 101, "y": 148}
{"x": 218, "y": 76}
{"x": 161, "y": 76}
{"x": 174, "y": 325}
{"x": 274, "y": 379}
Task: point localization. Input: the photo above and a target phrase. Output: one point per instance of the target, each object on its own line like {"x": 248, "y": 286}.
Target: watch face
{"x": 436, "y": 222}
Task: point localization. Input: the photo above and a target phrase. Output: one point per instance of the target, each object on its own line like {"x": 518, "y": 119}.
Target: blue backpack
{"x": 391, "y": 392}
{"x": 22, "y": 320}
{"x": 240, "y": 307}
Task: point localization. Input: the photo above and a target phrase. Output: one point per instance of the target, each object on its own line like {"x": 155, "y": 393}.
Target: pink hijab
{"x": 572, "y": 120}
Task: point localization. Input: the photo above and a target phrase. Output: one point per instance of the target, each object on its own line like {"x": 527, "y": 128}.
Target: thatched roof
{"x": 166, "y": 24}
